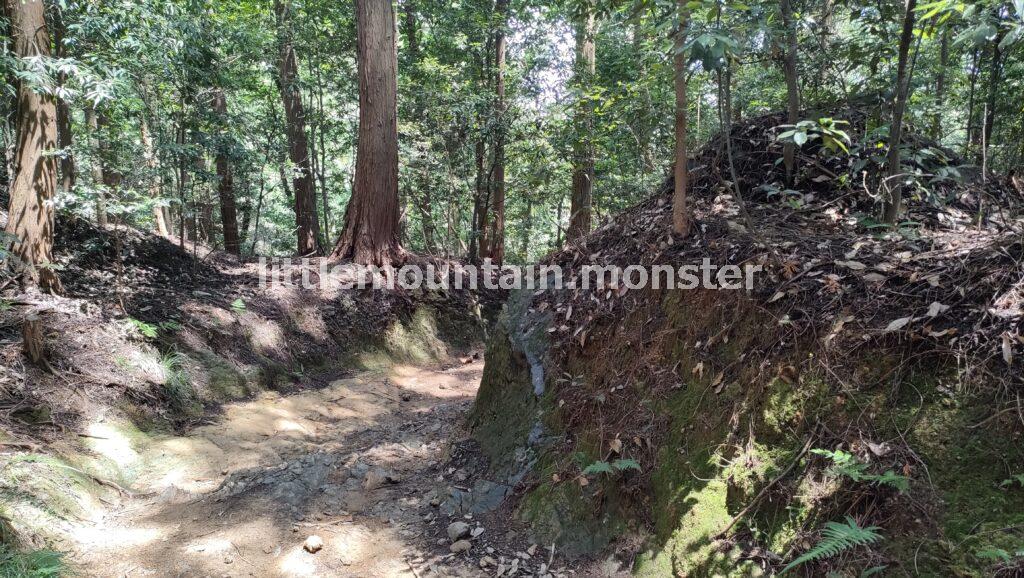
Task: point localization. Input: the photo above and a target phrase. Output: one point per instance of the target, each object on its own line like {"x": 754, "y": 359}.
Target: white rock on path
{"x": 313, "y": 544}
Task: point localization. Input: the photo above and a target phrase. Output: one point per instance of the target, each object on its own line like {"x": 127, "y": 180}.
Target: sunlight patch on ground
{"x": 298, "y": 562}
{"x": 209, "y": 545}
{"x": 104, "y": 537}
{"x": 453, "y": 383}
{"x": 107, "y": 441}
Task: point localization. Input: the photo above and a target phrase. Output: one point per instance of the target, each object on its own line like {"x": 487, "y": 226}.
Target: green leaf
{"x": 238, "y": 305}
{"x": 800, "y": 138}
{"x": 836, "y": 538}
{"x": 626, "y": 464}
{"x": 599, "y": 467}
{"x": 1010, "y": 39}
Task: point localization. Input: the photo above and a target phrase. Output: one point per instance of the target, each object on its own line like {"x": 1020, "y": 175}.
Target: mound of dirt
{"x": 721, "y": 426}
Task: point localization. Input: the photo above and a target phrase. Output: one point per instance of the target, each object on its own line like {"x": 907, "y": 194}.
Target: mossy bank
{"x": 748, "y": 442}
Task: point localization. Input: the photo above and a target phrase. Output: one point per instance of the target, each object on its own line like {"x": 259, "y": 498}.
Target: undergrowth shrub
{"x": 36, "y": 564}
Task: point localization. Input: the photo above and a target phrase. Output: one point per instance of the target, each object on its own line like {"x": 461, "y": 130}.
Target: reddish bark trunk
{"x": 497, "y": 238}
{"x": 225, "y": 181}
{"x": 370, "y": 234}
{"x": 34, "y": 182}
{"x": 680, "y": 212}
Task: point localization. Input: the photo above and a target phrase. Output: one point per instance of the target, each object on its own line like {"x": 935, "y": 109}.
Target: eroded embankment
{"x": 148, "y": 343}
{"x": 857, "y": 409}
{"x": 782, "y": 444}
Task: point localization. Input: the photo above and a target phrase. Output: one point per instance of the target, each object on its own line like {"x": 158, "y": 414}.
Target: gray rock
{"x": 457, "y": 530}
{"x": 460, "y": 546}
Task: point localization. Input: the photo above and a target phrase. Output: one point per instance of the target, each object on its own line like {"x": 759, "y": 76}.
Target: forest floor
{"x": 366, "y": 466}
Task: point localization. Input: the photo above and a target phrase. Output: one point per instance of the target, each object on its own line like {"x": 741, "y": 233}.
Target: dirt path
{"x": 363, "y": 464}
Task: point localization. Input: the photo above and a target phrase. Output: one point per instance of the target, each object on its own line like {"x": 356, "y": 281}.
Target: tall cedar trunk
{"x": 497, "y": 239}
{"x": 891, "y": 208}
{"x": 307, "y": 224}
{"x": 161, "y": 214}
{"x": 994, "y": 78}
{"x": 181, "y": 136}
{"x": 970, "y": 128}
{"x": 98, "y": 178}
{"x": 940, "y": 86}
{"x": 225, "y": 180}
{"x": 34, "y": 180}
{"x": 370, "y": 234}
{"x": 583, "y": 145}
{"x": 792, "y": 89}
{"x": 67, "y": 162}
{"x": 477, "y": 241}
{"x": 680, "y": 212}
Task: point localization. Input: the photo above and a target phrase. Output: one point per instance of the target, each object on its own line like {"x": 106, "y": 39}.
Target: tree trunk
{"x": 225, "y": 180}
{"x": 478, "y": 237}
{"x": 370, "y": 234}
{"x": 969, "y": 137}
{"x": 98, "y": 178}
{"x": 891, "y": 208}
{"x": 112, "y": 177}
{"x": 792, "y": 89}
{"x": 67, "y": 161}
{"x": 940, "y": 85}
{"x": 583, "y": 145}
{"x": 34, "y": 182}
{"x": 680, "y": 212}
{"x": 497, "y": 240}
{"x": 306, "y": 221}
{"x": 994, "y": 79}
{"x": 161, "y": 214}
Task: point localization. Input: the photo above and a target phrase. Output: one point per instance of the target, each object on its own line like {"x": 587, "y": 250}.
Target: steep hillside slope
{"x": 870, "y": 378}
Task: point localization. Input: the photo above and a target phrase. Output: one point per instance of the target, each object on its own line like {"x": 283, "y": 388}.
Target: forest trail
{"x": 356, "y": 463}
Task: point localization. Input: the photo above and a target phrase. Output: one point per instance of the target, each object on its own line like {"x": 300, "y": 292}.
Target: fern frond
{"x": 835, "y": 539}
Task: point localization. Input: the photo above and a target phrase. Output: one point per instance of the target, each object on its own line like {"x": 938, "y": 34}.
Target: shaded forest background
{"x": 164, "y": 103}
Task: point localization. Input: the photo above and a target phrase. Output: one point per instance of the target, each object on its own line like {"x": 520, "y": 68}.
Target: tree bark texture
{"x": 497, "y": 237}
{"x": 34, "y": 181}
{"x": 891, "y": 208}
{"x": 370, "y": 233}
{"x": 583, "y": 154}
{"x": 307, "y": 224}
{"x": 225, "y": 180}
{"x": 680, "y": 212}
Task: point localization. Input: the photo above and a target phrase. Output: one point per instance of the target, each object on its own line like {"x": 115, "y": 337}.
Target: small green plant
{"x": 1009, "y": 482}
{"x": 147, "y": 330}
{"x": 151, "y": 331}
{"x": 37, "y": 564}
{"x": 603, "y": 467}
{"x": 846, "y": 465}
{"x": 999, "y": 555}
{"x": 828, "y": 130}
{"x": 238, "y": 306}
{"x": 122, "y": 362}
{"x": 177, "y": 383}
{"x": 836, "y": 538}
{"x": 170, "y": 326}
